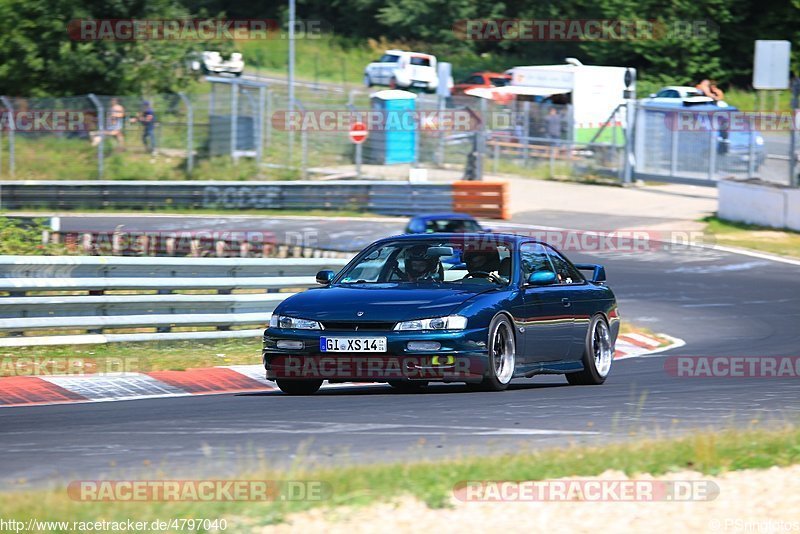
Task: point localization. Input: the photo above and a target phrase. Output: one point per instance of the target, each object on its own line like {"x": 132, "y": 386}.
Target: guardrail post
{"x": 189, "y": 132}
{"x": 101, "y": 124}
{"x": 12, "y": 164}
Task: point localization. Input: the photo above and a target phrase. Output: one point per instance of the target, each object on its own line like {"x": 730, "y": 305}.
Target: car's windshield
{"x": 388, "y": 58}
{"x": 472, "y": 260}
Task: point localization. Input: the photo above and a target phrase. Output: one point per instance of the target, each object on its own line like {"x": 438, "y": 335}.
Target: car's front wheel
{"x": 299, "y": 387}
{"x": 502, "y": 355}
{"x": 598, "y": 353}
{"x": 367, "y": 80}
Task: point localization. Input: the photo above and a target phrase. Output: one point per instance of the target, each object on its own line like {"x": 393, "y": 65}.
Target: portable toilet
{"x": 394, "y": 140}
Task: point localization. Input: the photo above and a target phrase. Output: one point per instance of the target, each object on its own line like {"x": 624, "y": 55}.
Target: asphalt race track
{"x": 720, "y": 303}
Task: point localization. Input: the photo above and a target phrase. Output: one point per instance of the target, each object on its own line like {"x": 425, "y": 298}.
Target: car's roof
{"x": 457, "y": 216}
{"x": 514, "y": 238}
{"x": 680, "y": 88}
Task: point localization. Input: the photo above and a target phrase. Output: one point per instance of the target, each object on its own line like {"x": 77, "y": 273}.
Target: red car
{"x": 485, "y": 80}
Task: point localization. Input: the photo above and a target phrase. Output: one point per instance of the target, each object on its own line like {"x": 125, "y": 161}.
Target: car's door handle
{"x": 565, "y": 302}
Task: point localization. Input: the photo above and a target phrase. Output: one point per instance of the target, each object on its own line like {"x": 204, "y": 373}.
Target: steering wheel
{"x": 483, "y": 274}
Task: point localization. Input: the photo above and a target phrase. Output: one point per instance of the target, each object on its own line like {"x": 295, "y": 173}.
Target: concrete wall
{"x": 759, "y": 203}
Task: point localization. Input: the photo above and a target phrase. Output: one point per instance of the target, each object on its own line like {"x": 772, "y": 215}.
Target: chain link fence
{"x": 237, "y": 130}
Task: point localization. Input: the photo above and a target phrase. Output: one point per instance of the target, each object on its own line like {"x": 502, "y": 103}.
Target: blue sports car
{"x": 400, "y": 313}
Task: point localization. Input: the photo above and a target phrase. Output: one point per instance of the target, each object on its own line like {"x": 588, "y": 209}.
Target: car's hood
{"x": 383, "y": 303}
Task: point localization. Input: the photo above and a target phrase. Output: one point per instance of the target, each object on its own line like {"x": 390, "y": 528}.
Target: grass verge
{"x": 143, "y": 356}
{"x": 770, "y": 240}
{"x": 433, "y": 482}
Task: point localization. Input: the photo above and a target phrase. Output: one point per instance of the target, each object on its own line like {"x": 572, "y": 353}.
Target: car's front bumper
{"x": 462, "y": 357}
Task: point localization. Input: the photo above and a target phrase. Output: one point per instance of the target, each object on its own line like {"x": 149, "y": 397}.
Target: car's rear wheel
{"x": 598, "y": 354}
{"x": 393, "y": 83}
{"x": 408, "y": 386}
{"x": 502, "y": 355}
{"x": 299, "y": 387}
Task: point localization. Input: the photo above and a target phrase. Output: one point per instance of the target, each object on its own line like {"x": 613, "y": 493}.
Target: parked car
{"x": 680, "y": 93}
{"x": 398, "y": 313}
{"x": 400, "y": 69}
{"x": 485, "y": 80}
{"x": 212, "y": 62}
{"x": 443, "y": 222}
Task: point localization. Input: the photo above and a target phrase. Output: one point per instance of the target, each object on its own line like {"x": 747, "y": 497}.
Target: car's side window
{"x": 533, "y": 258}
{"x": 567, "y": 274}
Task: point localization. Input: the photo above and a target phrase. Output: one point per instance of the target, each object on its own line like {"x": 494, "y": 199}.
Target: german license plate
{"x": 352, "y": 344}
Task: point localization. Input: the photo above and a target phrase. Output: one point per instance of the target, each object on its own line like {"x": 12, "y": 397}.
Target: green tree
{"x": 38, "y": 57}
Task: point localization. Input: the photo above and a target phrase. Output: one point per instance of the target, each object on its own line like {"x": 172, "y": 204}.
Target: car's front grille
{"x": 358, "y": 326}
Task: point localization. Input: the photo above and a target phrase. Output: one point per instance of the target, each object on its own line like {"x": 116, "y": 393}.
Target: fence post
{"x": 269, "y": 119}
{"x": 793, "y": 179}
{"x": 712, "y": 154}
{"x": 526, "y": 114}
{"x": 673, "y": 157}
{"x": 630, "y": 132}
{"x": 751, "y": 159}
{"x": 189, "y": 132}
{"x": 481, "y": 141}
{"x": 262, "y": 94}
{"x": 11, "y": 129}
{"x": 234, "y": 118}
{"x": 101, "y": 124}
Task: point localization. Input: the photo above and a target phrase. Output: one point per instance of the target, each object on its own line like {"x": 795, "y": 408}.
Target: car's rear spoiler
{"x": 598, "y": 271}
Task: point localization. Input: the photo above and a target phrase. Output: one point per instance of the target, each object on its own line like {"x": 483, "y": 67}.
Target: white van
{"x": 400, "y": 69}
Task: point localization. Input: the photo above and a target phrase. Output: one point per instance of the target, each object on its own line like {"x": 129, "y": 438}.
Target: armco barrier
{"x": 144, "y": 295}
{"x": 483, "y": 199}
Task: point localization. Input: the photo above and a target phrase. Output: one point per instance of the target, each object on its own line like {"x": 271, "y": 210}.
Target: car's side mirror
{"x": 325, "y": 277}
{"x": 542, "y": 278}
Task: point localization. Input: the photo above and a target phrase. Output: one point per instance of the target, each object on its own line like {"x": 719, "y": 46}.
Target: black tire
{"x": 393, "y": 83}
{"x": 408, "y": 386}
{"x": 591, "y": 375}
{"x": 501, "y": 363}
{"x": 299, "y": 387}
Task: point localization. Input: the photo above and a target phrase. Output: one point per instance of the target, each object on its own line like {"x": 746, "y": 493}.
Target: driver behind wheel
{"x": 419, "y": 266}
{"x": 482, "y": 261}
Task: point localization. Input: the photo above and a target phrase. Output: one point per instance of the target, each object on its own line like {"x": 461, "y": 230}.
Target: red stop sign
{"x": 358, "y": 132}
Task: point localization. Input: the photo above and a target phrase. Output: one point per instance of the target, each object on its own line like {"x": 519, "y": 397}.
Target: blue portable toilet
{"x": 396, "y": 140}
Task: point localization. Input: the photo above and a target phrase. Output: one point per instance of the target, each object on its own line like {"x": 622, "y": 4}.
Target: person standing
{"x": 116, "y": 120}
{"x": 148, "y": 119}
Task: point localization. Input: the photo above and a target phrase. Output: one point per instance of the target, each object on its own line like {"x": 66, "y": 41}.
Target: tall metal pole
{"x": 291, "y": 73}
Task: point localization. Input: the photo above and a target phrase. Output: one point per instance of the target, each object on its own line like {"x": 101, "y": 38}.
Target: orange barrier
{"x": 482, "y": 199}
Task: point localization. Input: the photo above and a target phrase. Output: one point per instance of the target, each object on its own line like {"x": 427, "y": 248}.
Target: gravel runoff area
{"x": 749, "y": 501}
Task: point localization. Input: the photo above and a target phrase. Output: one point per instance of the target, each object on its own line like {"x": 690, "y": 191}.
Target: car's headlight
{"x": 452, "y": 322}
{"x": 282, "y": 321}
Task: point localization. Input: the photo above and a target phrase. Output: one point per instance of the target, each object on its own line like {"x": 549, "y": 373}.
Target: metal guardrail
{"x": 33, "y": 303}
{"x": 394, "y": 198}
